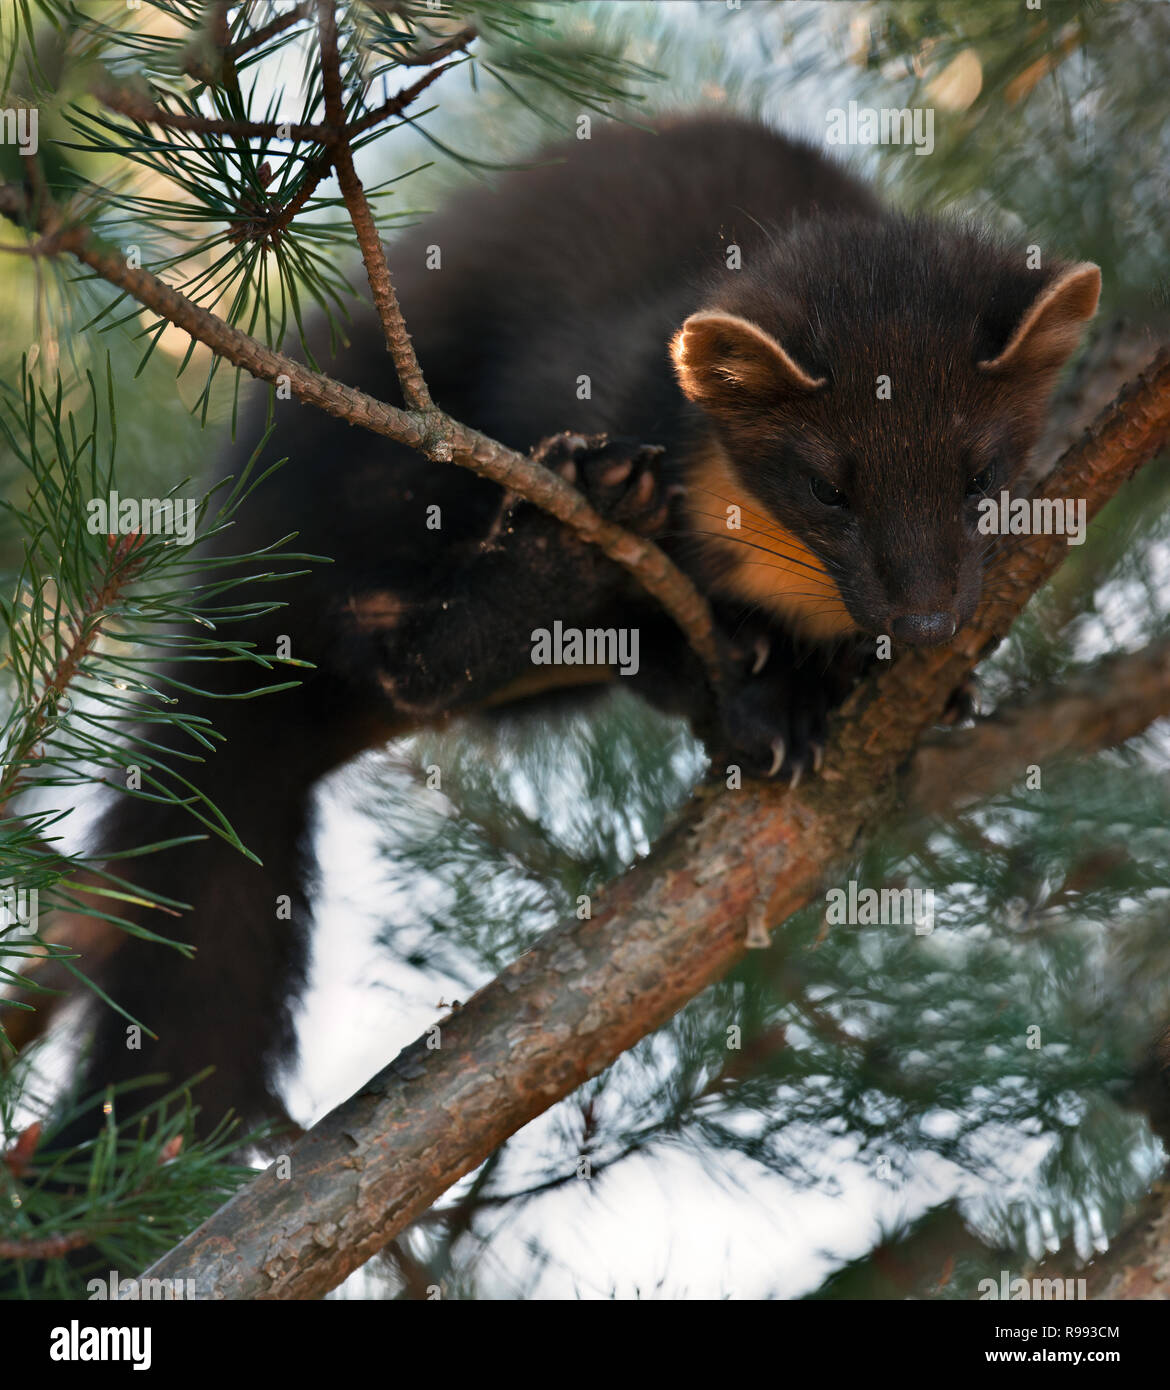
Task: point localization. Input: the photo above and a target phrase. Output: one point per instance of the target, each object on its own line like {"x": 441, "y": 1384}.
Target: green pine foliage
{"x": 983, "y": 1067}
{"x": 85, "y": 616}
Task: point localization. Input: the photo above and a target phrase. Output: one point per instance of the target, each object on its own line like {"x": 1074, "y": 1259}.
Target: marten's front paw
{"x": 775, "y": 716}
{"x": 771, "y": 732}
{"x": 621, "y": 478}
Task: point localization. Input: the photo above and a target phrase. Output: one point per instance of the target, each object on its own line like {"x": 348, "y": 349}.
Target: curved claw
{"x": 778, "y": 751}
{"x": 762, "y": 650}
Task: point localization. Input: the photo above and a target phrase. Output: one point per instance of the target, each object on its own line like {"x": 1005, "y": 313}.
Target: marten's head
{"x": 865, "y": 386}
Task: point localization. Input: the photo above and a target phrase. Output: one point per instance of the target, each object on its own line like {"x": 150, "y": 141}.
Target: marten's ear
{"x": 724, "y": 362}
{"x": 1051, "y": 327}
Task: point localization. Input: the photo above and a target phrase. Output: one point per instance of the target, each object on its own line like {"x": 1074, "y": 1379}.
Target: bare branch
{"x": 432, "y": 433}
{"x": 1100, "y": 708}
{"x": 125, "y": 101}
{"x": 43, "y": 1247}
{"x": 230, "y": 53}
{"x": 406, "y": 366}
{"x": 455, "y": 44}
{"x": 259, "y": 37}
{"x": 318, "y": 169}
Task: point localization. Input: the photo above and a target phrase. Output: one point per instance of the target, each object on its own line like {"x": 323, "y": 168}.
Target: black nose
{"x": 924, "y": 629}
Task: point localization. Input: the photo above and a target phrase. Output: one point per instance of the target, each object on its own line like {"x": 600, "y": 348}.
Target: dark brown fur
{"x": 591, "y": 266}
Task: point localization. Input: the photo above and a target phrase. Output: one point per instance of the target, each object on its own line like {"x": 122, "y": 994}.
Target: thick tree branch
{"x": 587, "y": 991}
{"x": 1102, "y": 707}
{"x": 1116, "y": 352}
{"x": 1137, "y": 1263}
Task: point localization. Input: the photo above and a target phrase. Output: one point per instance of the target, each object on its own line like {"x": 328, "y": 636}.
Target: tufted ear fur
{"x": 726, "y": 363}
{"x": 1051, "y": 326}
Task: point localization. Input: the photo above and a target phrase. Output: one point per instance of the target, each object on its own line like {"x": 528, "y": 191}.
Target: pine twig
{"x": 455, "y": 44}
{"x": 231, "y": 53}
{"x": 433, "y": 433}
{"x": 406, "y": 365}
{"x": 44, "y": 1247}
{"x": 83, "y": 631}
{"x": 137, "y": 106}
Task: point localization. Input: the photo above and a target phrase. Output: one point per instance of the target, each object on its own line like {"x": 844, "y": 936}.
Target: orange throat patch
{"x": 760, "y": 561}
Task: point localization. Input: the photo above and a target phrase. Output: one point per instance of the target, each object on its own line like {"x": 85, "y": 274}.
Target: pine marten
{"x": 702, "y": 325}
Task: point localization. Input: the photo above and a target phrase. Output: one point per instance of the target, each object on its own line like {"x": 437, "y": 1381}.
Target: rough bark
{"x": 736, "y": 862}
{"x": 1137, "y": 1264}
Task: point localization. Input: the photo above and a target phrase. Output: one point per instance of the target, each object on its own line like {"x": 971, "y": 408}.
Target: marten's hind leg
{"x": 391, "y": 660}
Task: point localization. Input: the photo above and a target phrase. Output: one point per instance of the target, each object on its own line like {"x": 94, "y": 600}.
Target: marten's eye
{"x": 978, "y": 485}
{"x": 826, "y": 493}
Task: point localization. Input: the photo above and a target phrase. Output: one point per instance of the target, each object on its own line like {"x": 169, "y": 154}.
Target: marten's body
{"x": 856, "y": 510}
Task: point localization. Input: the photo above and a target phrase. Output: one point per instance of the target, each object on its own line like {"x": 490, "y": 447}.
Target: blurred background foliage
{"x": 885, "y": 1089}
